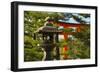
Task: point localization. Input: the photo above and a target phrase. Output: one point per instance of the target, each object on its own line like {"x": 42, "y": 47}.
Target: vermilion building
{"x": 76, "y": 26}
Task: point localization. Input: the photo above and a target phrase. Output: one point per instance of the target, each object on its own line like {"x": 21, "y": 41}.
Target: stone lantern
{"x": 50, "y": 40}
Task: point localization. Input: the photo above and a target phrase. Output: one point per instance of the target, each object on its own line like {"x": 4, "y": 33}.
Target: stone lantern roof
{"x": 48, "y": 29}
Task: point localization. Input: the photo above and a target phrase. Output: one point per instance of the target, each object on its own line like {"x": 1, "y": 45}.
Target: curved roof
{"x": 71, "y": 19}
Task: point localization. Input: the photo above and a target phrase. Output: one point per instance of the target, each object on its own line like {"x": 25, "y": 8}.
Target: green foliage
{"x": 67, "y": 30}
{"x": 84, "y": 35}
{"x": 80, "y": 47}
{"x": 32, "y": 51}
{"x": 33, "y": 54}
{"x": 62, "y": 43}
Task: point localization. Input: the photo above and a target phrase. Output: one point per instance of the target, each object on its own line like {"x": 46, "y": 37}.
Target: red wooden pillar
{"x": 78, "y": 28}
{"x": 65, "y": 47}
